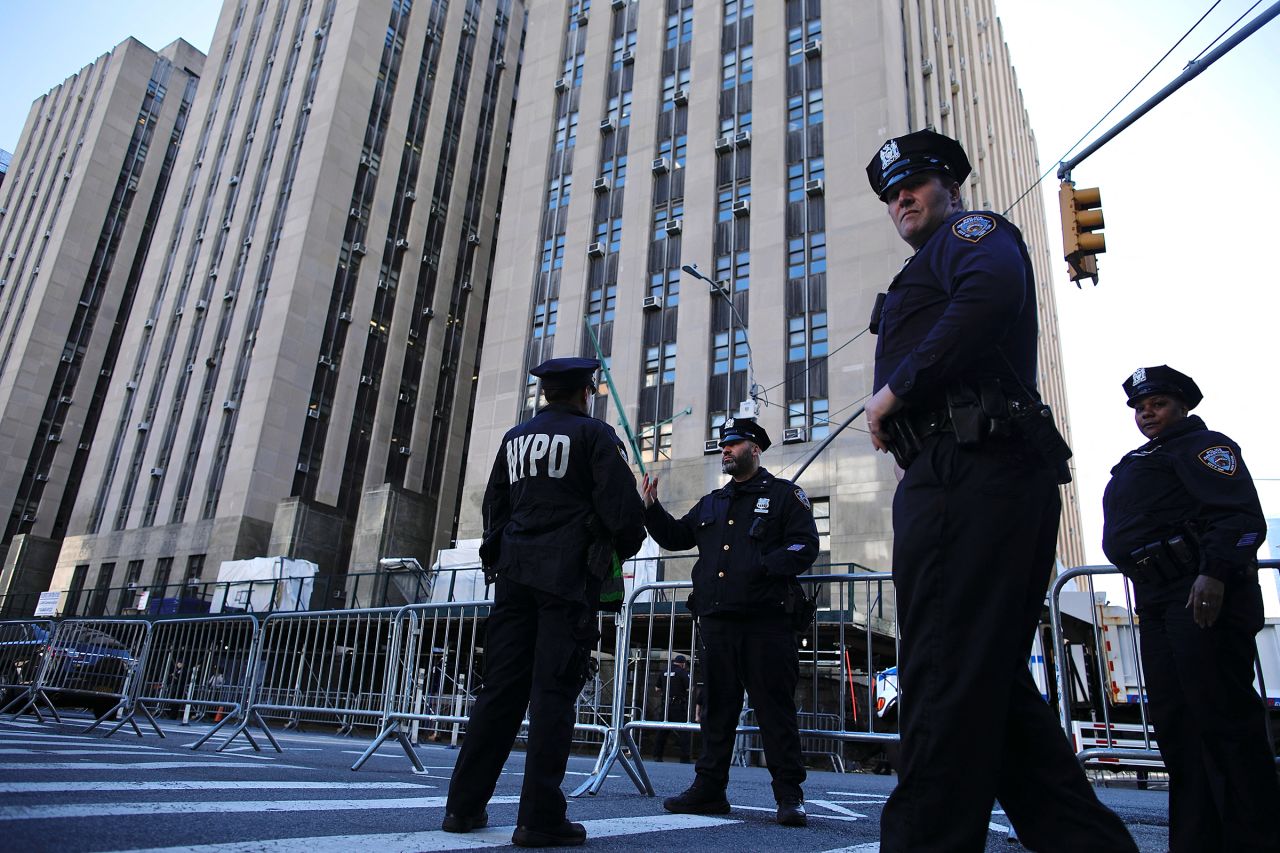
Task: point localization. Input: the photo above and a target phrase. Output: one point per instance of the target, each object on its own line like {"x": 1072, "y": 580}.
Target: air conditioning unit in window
{"x": 711, "y": 445}
{"x": 608, "y": 126}
{"x": 303, "y": 467}
{"x": 813, "y": 47}
{"x": 596, "y": 250}
{"x": 410, "y": 195}
{"x": 660, "y": 165}
{"x": 405, "y": 451}
{"x": 366, "y": 380}
{"x": 357, "y": 248}
{"x": 473, "y": 239}
{"x": 724, "y": 143}
{"x": 927, "y": 67}
{"x": 945, "y": 109}
{"x": 673, "y": 226}
{"x": 794, "y": 435}
{"x": 815, "y": 187}
{"x": 354, "y": 213}
{"x": 741, "y": 207}
{"x": 562, "y": 84}
{"x": 618, "y": 4}
{"x": 344, "y": 317}
{"x": 42, "y": 478}
{"x": 628, "y": 57}
{"x": 28, "y": 516}
{"x": 402, "y": 243}
{"x": 742, "y": 138}
{"x": 581, "y": 18}
{"x": 651, "y": 303}
{"x": 601, "y": 185}
{"x": 157, "y": 472}
{"x": 228, "y": 405}
{"x": 681, "y": 96}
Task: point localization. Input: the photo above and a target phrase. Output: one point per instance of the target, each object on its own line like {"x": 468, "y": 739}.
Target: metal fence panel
{"x": 22, "y": 647}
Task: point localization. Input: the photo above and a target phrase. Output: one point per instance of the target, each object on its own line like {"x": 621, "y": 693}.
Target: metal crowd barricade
{"x": 836, "y": 697}
{"x": 94, "y": 659}
{"x": 436, "y": 666}
{"x": 1117, "y": 675}
{"x": 332, "y": 663}
{"x": 196, "y": 667}
{"x": 22, "y": 647}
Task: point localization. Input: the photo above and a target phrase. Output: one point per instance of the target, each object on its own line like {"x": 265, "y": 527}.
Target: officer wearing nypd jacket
{"x": 753, "y": 537}
{"x": 975, "y": 522}
{"x": 1183, "y": 521}
{"x": 560, "y": 483}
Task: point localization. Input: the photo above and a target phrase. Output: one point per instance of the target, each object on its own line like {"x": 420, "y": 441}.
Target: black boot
{"x": 791, "y": 812}
{"x": 697, "y": 800}
{"x": 464, "y": 823}
{"x": 565, "y": 835}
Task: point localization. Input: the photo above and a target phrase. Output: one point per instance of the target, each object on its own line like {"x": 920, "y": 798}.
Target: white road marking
{"x": 424, "y": 842}
{"x": 811, "y": 814}
{"x": 153, "y": 809}
{"x": 998, "y": 828}
{"x": 873, "y": 847}
{"x": 192, "y": 785}
{"x": 860, "y": 794}
{"x": 45, "y": 750}
{"x": 835, "y": 807}
{"x": 140, "y": 765}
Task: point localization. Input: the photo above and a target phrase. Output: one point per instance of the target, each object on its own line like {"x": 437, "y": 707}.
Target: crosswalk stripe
{"x": 139, "y": 765}
{"x": 424, "y": 842}
{"x": 192, "y": 785}
{"x": 75, "y": 810}
{"x": 47, "y": 749}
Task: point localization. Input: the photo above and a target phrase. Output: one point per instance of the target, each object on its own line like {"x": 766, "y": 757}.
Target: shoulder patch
{"x": 974, "y": 227}
{"x": 1219, "y": 458}
{"x": 803, "y": 498}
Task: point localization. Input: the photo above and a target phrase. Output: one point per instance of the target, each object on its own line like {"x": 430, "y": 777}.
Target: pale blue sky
{"x": 1188, "y": 278}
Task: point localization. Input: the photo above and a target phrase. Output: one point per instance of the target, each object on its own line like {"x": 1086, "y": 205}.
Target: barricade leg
{"x": 116, "y": 707}
{"x": 393, "y": 728}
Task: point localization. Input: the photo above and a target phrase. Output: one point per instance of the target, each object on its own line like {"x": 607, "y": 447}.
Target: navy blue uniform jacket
{"x": 1188, "y": 476}
{"x": 752, "y": 539}
{"x": 552, "y": 474}
{"x": 963, "y": 307}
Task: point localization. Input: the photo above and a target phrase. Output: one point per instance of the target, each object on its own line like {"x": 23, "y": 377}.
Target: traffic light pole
{"x": 1192, "y": 70}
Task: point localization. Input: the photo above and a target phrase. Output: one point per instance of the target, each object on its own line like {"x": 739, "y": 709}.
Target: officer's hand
{"x": 1205, "y": 600}
{"x": 649, "y": 490}
{"x": 882, "y": 404}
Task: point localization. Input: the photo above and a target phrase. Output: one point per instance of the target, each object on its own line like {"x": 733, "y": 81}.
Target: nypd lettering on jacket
{"x": 537, "y": 455}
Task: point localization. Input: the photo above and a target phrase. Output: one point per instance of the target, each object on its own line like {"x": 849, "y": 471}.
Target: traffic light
{"x": 1082, "y": 224}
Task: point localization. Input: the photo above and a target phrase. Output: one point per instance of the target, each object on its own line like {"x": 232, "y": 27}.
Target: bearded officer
{"x": 753, "y": 537}
{"x": 975, "y": 522}
{"x": 1182, "y": 520}
{"x": 560, "y": 485}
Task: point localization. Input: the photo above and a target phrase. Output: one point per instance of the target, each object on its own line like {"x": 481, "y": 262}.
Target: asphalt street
{"x": 63, "y": 790}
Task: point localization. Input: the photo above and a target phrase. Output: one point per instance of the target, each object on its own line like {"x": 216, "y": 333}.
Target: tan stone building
{"x": 296, "y": 374}
{"x": 733, "y": 135}
{"x": 78, "y": 210}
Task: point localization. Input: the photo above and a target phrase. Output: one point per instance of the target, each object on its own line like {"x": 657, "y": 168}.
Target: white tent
{"x": 263, "y": 584}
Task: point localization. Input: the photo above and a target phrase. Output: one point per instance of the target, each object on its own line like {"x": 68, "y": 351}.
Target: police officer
{"x": 753, "y": 537}
{"x": 560, "y": 483}
{"x": 1182, "y": 519}
{"x": 975, "y": 522}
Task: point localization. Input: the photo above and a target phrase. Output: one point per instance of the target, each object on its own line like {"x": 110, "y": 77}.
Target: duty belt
{"x": 910, "y": 427}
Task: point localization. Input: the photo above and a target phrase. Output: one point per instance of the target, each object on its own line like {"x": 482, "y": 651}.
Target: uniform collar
{"x": 758, "y": 483}
{"x": 1191, "y": 423}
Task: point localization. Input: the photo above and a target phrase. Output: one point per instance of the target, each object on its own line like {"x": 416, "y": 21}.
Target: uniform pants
{"x": 757, "y": 653}
{"x": 534, "y": 647}
{"x": 975, "y": 532}
{"x": 1209, "y": 720}
{"x": 676, "y": 713}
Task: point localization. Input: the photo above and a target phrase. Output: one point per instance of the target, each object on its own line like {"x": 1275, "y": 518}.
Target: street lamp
{"x": 748, "y": 408}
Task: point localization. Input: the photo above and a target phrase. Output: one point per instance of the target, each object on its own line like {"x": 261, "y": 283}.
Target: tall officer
{"x": 753, "y": 537}
{"x": 1182, "y": 519}
{"x": 560, "y": 485}
{"x": 975, "y": 522}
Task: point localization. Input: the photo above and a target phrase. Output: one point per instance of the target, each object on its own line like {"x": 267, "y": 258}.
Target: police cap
{"x": 679, "y": 659}
{"x": 738, "y": 429}
{"x": 567, "y": 374}
{"x": 1162, "y": 379}
{"x": 922, "y": 151}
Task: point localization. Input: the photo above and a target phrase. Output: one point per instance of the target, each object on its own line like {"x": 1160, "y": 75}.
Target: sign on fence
{"x": 48, "y": 604}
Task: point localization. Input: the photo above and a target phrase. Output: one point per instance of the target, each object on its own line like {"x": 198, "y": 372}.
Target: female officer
{"x": 1183, "y": 521}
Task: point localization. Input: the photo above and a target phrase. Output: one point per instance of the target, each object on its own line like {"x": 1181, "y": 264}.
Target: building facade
{"x": 732, "y": 135}
{"x": 296, "y": 377}
{"x": 77, "y": 213}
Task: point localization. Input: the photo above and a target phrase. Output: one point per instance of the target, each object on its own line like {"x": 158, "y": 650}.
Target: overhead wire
{"x": 1117, "y": 104}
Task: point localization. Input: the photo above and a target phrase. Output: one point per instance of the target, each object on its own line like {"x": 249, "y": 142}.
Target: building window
{"x": 195, "y": 569}
{"x": 660, "y": 365}
{"x": 822, "y": 519}
{"x": 813, "y": 416}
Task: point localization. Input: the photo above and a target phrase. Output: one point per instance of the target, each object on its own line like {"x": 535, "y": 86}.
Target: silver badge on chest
{"x": 762, "y": 505}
